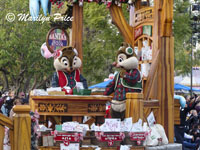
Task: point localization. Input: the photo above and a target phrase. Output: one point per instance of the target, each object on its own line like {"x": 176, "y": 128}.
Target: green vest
{"x": 136, "y": 86}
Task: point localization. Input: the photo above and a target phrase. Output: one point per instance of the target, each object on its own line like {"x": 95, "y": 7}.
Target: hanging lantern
{"x": 144, "y": 2}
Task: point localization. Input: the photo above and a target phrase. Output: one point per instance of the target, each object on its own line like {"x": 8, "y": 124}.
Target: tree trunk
{"x": 5, "y": 79}
{"x": 27, "y": 83}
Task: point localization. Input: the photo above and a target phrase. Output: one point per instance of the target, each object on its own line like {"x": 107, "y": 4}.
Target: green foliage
{"x": 100, "y": 44}
{"x": 182, "y": 36}
{"x": 20, "y": 44}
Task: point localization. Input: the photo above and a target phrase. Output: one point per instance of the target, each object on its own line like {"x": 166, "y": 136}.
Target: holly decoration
{"x": 108, "y": 3}
{"x": 59, "y": 3}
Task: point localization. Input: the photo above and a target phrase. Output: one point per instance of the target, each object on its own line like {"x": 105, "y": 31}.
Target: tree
{"x": 101, "y": 42}
{"x": 183, "y": 20}
{"x": 182, "y": 35}
{"x": 21, "y": 63}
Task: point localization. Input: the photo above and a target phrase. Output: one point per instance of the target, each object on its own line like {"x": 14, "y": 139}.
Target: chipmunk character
{"x": 67, "y": 64}
{"x": 127, "y": 80}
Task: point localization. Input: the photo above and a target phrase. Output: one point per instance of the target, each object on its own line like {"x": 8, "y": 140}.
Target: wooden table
{"x": 70, "y": 105}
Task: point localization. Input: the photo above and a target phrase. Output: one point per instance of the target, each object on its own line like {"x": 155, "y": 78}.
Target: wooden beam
{"x": 5, "y": 121}
{"x": 166, "y": 18}
{"x": 148, "y": 88}
{"x": 165, "y": 87}
{"x": 77, "y": 29}
{"x": 119, "y": 20}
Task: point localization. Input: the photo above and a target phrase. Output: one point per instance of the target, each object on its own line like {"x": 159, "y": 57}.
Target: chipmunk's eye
{"x": 64, "y": 60}
{"x": 121, "y": 57}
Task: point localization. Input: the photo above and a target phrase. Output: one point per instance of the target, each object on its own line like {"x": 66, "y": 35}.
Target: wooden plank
{"x": 2, "y": 131}
{"x": 73, "y": 98}
{"x": 5, "y": 121}
{"x": 134, "y": 95}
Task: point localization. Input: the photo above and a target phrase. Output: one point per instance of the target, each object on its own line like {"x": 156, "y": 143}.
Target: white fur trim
{"x": 118, "y": 106}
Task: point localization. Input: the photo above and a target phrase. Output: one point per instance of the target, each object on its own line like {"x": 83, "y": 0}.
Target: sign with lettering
{"x": 68, "y": 137}
{"x": 110, "y": 137}
{"x": 138, "y": 32}
{"x": 56, "y": 39}
{"x": 143, "y": 30}
{"x": 138, "y": 136}
{"x": 143, "y": 15}
{"x": 147, "y": 30}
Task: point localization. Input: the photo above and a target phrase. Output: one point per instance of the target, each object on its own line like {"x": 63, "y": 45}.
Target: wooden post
{"x": 77, "y": 29}
{"x": 134, "y": 108}
{"x": 166, "y": 85}
{"x": 22, "y": 127}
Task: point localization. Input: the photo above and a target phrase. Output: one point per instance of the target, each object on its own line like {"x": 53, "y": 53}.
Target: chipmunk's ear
{"x": 75, "y": 51}
{"x": 129, "y": 51}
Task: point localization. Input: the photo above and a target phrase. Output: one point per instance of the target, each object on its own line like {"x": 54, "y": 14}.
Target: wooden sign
{"x": 56, "y": 39}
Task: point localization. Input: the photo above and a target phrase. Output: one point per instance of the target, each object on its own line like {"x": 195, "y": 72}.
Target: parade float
{"x": 149, "y": 33}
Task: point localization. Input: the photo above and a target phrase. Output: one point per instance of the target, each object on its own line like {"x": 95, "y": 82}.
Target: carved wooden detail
{"x": 96, "y": 107}
{"x": 49, "y": 107}
{"x": 143, "y": 15}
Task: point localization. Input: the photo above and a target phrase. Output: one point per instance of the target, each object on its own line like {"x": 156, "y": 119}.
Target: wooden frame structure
{"x": 159, "y": 84}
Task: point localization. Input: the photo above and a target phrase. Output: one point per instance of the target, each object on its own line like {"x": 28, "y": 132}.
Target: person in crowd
{"x": 8, "y": 103}
{"x": 21, "y": 95}
{"x": 2, "y": 100}
{"x": 17, "y": 101}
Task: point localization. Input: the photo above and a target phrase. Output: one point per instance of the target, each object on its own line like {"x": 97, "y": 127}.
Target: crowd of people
{"x": 188, "y": 132}
{"x": 8, "y": 99}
